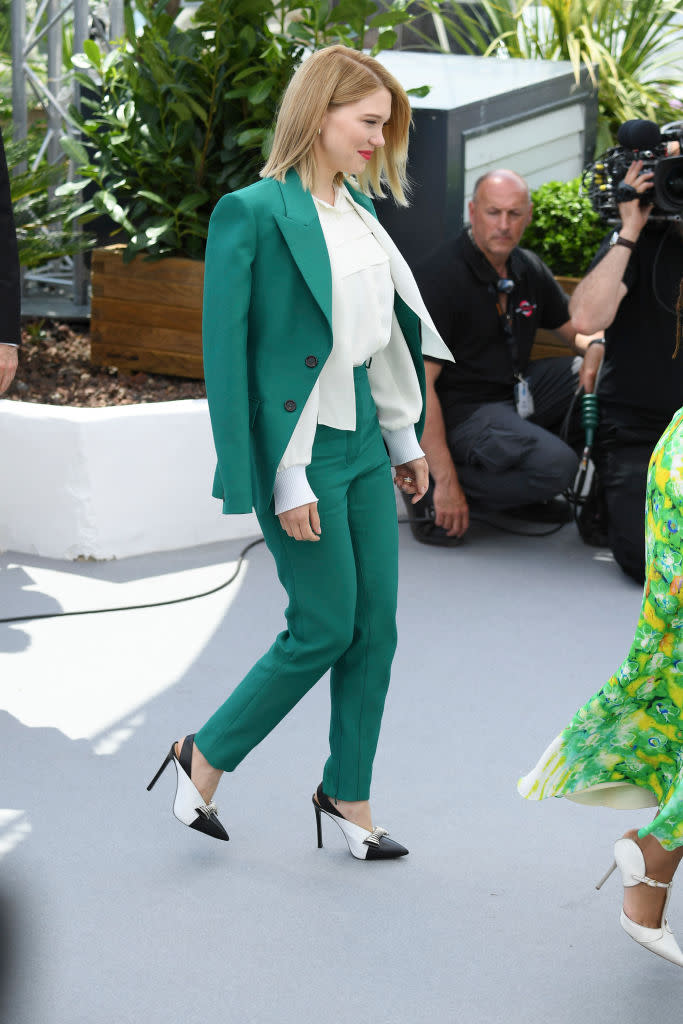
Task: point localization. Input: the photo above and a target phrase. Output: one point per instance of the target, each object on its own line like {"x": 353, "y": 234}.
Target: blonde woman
{"x": 313, "y": 338}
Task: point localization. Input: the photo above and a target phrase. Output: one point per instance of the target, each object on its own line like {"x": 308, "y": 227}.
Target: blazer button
{"x": 290, "y": 406}
{"x": 311, "y": 361}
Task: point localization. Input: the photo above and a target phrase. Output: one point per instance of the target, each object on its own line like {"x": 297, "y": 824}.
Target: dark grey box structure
{"x": 482, "y": 113}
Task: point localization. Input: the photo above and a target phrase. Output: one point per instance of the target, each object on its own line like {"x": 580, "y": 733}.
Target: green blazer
{"x": 267, "y": 330}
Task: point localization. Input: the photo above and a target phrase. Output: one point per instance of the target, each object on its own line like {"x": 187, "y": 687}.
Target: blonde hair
{"x": 331, "y": 77}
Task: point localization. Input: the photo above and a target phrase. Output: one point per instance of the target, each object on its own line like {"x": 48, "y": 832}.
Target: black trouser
{"x": 504, "y": 461}
{"x": 621, "y": 457}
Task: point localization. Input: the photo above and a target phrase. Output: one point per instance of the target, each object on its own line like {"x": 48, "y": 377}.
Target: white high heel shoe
{"x": 628, "y": 857}
{"x": 363, "y": 845}
{"x": 188, "y": 804}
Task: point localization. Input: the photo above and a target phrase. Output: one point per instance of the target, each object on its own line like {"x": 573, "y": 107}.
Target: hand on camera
{"x": 302, "y": 523}
{"x": 634, "y": 215}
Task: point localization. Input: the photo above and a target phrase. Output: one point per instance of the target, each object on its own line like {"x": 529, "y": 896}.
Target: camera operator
{"x": 630, "y": 293}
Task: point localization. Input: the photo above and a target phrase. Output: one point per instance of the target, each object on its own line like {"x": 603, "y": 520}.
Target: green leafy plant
{"x": 42, "y": 222}
{"x": 355, "y": 23}
{"x": 177, "y": 116}
{"x": 565, "y": 231}
{"x": 634, "y": 45}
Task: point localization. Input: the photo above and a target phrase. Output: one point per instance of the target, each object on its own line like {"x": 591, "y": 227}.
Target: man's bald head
{"x": 504, "y": 177}
{"x": 500, "y": 209}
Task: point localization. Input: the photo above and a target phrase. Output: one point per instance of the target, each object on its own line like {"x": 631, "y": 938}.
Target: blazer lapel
{"x": 301, "y": 230}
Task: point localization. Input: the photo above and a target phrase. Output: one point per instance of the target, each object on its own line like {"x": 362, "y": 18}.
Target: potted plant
{"x": 175, "y": 117}
{"x": 565, "y": 232}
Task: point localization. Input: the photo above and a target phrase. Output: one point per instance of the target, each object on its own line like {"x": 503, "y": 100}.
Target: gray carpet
{"x": 113, "y": 913}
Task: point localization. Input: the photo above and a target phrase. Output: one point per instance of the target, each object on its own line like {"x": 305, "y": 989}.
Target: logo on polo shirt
{"x": 526, "y": 308}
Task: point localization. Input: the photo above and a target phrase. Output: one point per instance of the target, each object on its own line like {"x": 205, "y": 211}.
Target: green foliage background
{"x": 177, "y": 116}
{"x": 565, "y": 231}
{"x": 635, "y": 45}
{"x": 42, "y": 219}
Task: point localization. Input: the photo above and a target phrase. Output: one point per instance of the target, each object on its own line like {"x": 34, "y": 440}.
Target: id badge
{"x": 524, "y": 400}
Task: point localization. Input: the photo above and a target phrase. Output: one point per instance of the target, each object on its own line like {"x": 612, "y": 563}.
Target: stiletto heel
{"x": 628, "y": 857}
{"x": 363, "y": 845}
{"x": 318, "y": 825}
{"x": 188, "y": 804}
{"x": 167, "y": 761}
{"x": 606, "y": 875}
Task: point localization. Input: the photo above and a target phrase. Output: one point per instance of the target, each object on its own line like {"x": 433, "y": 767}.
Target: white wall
{"x": 112, "y": 482}
{"x": 545, "y": 148}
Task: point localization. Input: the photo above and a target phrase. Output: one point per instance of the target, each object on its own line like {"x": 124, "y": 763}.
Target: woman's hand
{"x": 301, "y": 523}
{"x": 413, "y": 478}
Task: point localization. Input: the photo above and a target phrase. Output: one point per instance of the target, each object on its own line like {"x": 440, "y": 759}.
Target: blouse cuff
{"x": 291, "y": 489}
{"x": 402, "y": 445}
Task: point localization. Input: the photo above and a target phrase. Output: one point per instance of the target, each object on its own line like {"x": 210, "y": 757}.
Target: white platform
{"x": 111, "y": 482}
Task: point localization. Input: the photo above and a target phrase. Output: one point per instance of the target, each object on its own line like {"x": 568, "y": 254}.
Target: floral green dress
{"x": 624, "y": 748}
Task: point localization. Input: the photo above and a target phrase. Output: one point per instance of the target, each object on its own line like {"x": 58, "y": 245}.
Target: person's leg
{"x": 504, "y": 461}
{"x": 360, "y": 678}
{"x": 320, "y": 580}
{"x": 622, "y": 468}
{"x": 644, "y": 903}
{"x": 553, "y": 385}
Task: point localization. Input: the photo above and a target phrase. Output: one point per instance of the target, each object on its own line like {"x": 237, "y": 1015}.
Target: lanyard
{"x": 506, "y": 322}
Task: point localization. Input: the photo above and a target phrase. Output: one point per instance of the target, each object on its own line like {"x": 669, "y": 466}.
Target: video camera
{"x": 603, "y": 180}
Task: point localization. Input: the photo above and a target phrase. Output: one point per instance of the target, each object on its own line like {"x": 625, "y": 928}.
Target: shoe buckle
{"x": 207, "y": 809}
{"x": 374, "y": 837}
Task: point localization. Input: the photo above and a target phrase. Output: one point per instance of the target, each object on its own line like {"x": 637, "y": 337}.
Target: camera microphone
{"x": 639, "y": 134}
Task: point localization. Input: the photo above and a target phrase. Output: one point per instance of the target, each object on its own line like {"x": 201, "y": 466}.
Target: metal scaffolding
{"x": 37, "y": 29}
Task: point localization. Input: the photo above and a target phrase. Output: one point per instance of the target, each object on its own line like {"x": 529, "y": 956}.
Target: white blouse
{"x": 363, "y": 325}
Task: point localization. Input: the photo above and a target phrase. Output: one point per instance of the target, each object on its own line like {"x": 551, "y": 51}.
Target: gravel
{"x": 54, "y": 369}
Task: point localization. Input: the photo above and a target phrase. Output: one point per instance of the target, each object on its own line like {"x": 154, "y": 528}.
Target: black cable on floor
{"x": 151, "y": 604}
{"x": 222, "y": 586}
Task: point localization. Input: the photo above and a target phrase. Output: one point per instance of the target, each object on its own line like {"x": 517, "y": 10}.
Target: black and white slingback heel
{"x": 188, "y": 804}
{"x": 364, "y": 845}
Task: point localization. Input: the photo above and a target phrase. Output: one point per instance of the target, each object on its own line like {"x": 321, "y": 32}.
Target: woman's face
{"x": 351, "y": 133}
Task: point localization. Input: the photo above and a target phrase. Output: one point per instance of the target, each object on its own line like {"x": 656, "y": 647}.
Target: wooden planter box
{"x": 546, "y": 343}
{"x": 147, "y": 316}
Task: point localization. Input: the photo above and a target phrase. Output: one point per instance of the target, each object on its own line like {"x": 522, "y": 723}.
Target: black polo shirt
{"x": 640, "y": 385}
{"x": 458, "y": 285}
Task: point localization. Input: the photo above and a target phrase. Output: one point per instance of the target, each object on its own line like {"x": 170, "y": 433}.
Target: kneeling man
{"x": 488, "y": 435}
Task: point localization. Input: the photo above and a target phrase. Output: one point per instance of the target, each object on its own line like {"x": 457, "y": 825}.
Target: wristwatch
{"x": 616, "y": 239}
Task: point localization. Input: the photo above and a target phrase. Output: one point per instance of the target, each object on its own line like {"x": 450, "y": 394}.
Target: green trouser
{"x": 341, "y": 613}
